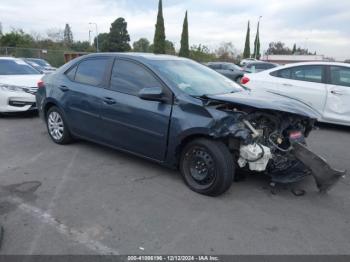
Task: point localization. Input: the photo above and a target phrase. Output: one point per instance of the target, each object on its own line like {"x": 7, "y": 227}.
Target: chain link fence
{"x": 54, "y": 57}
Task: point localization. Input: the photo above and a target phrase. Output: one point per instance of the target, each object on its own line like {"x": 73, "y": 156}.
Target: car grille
{"x": 31, "y": 90}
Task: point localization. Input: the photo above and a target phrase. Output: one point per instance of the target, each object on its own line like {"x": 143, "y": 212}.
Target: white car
{"x": 18, "y": 85}
{"x": 324, "y": 86}
{"x": 247, "y": 60}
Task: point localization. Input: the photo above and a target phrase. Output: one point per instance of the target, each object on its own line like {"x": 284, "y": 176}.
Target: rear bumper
{"x": 11, "y": 102}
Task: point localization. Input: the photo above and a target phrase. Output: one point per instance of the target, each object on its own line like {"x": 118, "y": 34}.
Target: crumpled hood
{"x": 269, "y": 100}
{"x": 20, "y": 80}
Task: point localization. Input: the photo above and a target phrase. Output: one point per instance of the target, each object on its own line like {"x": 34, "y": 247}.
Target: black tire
{"x": 65, "y": 137}
{"x": 207, "y": 166}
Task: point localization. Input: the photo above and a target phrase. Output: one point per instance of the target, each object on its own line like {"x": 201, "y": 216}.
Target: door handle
{"x": 109, "y": 101}
{"x": 64, "y": 88}
{"x": 286, "y": 84}
{"x": 335, "y": 92}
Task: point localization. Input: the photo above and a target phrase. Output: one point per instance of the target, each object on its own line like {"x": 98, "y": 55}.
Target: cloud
{"x": 319, "y": 25}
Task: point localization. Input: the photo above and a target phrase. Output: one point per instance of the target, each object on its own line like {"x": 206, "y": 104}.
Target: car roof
{"x": 8, "y": 58}
{"x": 316, "y": 63}
{"x": 220, "y": 63}
{"x": 138, "y": 56}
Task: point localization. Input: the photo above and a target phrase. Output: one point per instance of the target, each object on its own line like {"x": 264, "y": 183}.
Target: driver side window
{"x": 129, "y": 77}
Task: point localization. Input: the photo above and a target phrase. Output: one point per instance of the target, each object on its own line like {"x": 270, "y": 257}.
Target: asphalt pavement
{"x": 88, "y": 199}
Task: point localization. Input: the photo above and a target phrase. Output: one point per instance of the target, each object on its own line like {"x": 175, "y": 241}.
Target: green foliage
{"x": 103, "y": 42}
{"x": 184, "y": 50}
{"x": 118, "y": 37}
{"x": 82, "y": 46}
{"x": 201, "y": 53}
{"x": 246, "y": 53}
{"x": 17, "y": 38}
{"x": 257, "y": 44}
{"x": 169, "y": 48}
{"x": 279, "y": 48}
{"x": 159, "y": 35}
{"x": 141, "y": 45}
{"x": 68, "y": 36}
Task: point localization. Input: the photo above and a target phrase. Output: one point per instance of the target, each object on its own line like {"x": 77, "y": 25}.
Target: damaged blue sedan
{"x": 183, "y": 115}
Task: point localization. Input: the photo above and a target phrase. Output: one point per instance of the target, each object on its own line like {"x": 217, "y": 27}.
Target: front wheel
{"x": 57, "y": 126}
{"x": 207, "y": 166}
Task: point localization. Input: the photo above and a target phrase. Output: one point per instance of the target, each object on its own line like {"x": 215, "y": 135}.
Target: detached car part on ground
{"x": 194, "y": 119}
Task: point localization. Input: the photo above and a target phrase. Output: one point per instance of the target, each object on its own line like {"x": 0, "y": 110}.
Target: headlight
{"x": 11, "y": 88}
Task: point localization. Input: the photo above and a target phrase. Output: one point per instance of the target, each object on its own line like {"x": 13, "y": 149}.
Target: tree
{"x": 278, "y": 48}
{"x": 246, "y": 53}
{"x": 103, "y": 41}
{"x": 226, "y": 52}
{"x": 118, "y": 36}
{"x": 257, "y": 43}
{"x": 55, "y": 34}
{"x": 82, "y": 46}
{"x": 169, "y": 48}
{"x": 0, "y": 29}
{"x": 294, "y": 49}
{"x": 17, "y": 38}
{"x": 184, "y": 50}
{"x": 159, "y": 35}
{"x": 201, "y": 53}
{"x": 67, "y": 36}
{"x": 141, "y": 45}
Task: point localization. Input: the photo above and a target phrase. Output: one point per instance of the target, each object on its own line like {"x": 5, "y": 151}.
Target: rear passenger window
{"x": 284, "y": 73}
{"x": 71, "y": 73}
{"x": 92, "y": 71}
{"x": 128, "y": 77}
{"x": 307, "y": 73}
{"x": 340, "y": 76}
{"x": 303, "y": 73}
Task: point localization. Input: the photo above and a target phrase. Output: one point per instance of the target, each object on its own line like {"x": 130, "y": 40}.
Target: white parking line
{"x": 71, "y": 233}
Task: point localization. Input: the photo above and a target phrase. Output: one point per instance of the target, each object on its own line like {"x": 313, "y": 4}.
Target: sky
{"x": 319, "y": 25}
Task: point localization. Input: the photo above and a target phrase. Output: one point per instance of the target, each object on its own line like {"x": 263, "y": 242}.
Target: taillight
{"x": 244, "y": 80}
{"x": 41, "y": 84}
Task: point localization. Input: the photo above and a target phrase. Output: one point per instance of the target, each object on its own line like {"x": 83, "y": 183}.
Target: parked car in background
{"x": 247, "y": 60}
{"x": 181, "y": 114}
{"x": 40, "y": 64}
{"x": 230, "y": 70}
{"x": 18, "y": 85}
{"x": 258, "y": 66}
{"x": 324, "y": 86}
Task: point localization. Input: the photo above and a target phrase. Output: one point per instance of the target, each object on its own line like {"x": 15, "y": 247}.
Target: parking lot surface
{"x": 88, "y": 199}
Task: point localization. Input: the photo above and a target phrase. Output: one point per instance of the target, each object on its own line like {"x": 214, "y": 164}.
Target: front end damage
{"x": 272, "y": 142}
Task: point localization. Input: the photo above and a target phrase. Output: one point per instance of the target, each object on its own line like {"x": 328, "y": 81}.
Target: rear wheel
{"x": 207, "y": 167}
{"x": 57, "y": 127}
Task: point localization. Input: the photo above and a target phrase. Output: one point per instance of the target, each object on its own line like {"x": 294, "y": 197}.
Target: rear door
{"x": 129, "y": 122}
{"x": 305, "y": 83}
{"x": 338, "y": 94}
{"x": 82, "y": 95}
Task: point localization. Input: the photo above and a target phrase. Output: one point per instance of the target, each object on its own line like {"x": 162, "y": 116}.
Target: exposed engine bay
{"x": 273, "y": 142}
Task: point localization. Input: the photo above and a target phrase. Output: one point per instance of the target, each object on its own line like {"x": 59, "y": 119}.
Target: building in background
{"x": 287, "y": 59}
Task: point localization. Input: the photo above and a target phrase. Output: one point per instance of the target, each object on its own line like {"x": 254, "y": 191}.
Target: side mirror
{"x": 152, "y": 94}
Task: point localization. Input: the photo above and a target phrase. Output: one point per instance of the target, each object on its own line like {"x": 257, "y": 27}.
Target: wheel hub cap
{"x": 55, "y": 125}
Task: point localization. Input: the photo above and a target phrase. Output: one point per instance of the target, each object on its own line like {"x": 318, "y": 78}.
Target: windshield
{"x": 195, "y": 79}
{"x": 16, "y": 67}
{"x": 40, "y": 62}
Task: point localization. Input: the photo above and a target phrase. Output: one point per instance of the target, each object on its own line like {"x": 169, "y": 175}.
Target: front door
{"x": 338, "y": 95}
{"x": 129, "y": 122}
